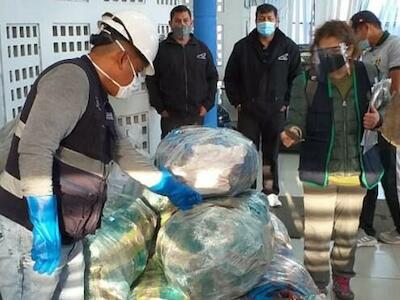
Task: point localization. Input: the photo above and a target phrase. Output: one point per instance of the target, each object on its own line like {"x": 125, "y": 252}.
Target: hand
{"x": 239, "y": 107}
{"x": 283, "y": 108}
{"x": 181, "y": 195}
{"x": 203, "y": 111}
{"x": 164, "y": 114}
{"x": 288, "y": 137}
{"x": 371, "y": 118}
{"x": 46, "y": 241}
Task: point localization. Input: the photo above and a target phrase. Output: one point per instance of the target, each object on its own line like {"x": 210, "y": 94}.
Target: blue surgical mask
{"x": 364, "y": 44}
{"x": 266, "y": 28}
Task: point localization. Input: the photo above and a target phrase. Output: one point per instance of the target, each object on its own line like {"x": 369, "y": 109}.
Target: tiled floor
{"x": 377, "y": 268}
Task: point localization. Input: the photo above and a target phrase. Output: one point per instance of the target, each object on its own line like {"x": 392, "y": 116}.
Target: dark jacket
{"x": 79, "y": 173}
{"x": 185, "y": 78}
{"x": 249, "y": 67}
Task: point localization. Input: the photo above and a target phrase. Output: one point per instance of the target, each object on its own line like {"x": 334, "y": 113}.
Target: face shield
{"x": 329, "y": 60}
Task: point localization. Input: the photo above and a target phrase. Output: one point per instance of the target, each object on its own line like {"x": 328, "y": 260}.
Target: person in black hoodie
{"x": 185, "y": 81}
{"x": 258, "y": 80}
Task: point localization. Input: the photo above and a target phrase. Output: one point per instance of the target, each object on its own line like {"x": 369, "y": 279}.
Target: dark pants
{"x": 269, "y": 130}
{"x": 389, "y": 184}
{"x": 175, "y": 121}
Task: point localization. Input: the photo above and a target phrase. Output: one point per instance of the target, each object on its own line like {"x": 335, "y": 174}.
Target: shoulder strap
{"x": 310, "y": 87}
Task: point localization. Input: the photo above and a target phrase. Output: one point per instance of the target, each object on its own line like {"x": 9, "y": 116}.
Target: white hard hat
{"x": 136, "y": 28}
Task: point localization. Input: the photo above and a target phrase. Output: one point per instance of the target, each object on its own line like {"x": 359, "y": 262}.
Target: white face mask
{"x": 124, "y": 91}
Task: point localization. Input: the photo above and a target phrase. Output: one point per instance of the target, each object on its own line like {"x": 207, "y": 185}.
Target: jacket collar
{"x": 278, "y": 37}
{"x": 192, "y": 41}
{"x": 383, "y": 38}
{"x": 274, "y": 49}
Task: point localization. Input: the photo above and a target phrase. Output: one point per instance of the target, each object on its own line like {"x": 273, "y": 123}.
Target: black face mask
{"x": 331, "y": 62}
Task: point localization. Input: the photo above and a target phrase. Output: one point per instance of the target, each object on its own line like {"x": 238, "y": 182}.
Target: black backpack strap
{"x": 311, "y": 85}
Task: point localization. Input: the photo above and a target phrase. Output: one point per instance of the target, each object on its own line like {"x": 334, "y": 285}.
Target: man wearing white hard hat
{"x": 53, "y": 188}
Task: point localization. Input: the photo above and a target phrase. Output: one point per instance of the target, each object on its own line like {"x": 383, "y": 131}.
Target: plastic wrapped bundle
{"x": 220, "y": 249}
{"x": 120, "y": 183}
{"x": 153, "y": 285}
{"x": 285, "y": 278}
{"x": 214, "y": 161}
{"x": 160, "y": 204}
{"x": 117, "y": 254}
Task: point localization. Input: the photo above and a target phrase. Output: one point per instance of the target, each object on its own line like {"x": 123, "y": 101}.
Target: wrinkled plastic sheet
{"x": 219, "y": 249}
{"x": 214, "y": 161}
{"x": 153, "y": 285}
{"x": 120, "y": 183}
{"x": 285, "y": 278}
{"x": 117, "y": 254}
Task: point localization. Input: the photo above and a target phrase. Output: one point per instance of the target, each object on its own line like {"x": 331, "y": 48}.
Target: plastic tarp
{"x": 214, "y": 161}
{"x": 153, "y": 285}
{"x": 285, "y": 278}
{"x": 117, "y": 254}
{"x": 219, "y": 249}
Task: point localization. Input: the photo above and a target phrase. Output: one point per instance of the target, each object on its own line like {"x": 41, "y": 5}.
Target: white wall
{"x": 235, "y": 19}
{"x": 51, "y": 17}
{"x": 62, "y": 17}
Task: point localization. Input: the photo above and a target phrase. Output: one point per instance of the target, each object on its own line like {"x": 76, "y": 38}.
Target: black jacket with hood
{"x": 260, "y": 79}
{"x": 185, "y": 78}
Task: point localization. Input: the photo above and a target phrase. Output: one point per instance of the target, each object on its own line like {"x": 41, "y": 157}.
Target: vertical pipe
{"x": 205, "y": 29}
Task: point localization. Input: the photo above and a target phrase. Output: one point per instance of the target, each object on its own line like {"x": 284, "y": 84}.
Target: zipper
{"x": 331, "y": 139}
{"x": 186, "y": 77}
{"x": 346, "y": 150}
{"x": 345, "y": 136}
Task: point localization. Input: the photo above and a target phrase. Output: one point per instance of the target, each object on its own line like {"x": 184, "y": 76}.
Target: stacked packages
{"x": 219, "y": 249}
{"x": 229, "y": 247}
{"x": 117, "y": 254}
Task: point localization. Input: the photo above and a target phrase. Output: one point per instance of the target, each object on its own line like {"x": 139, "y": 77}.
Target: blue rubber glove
{"x": 181, "y": 195}
{"x": 46, "y": 242}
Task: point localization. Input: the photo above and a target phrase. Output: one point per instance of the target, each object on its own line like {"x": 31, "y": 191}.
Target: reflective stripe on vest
{"x": 11, "y": 184}
{"x": 73, "y": 158}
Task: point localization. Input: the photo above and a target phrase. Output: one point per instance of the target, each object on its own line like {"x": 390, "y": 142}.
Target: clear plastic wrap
{"x": 380, "y": 97}
{"x": 153, "y": 285}
{"x": 220, "y": 249}
{"x": 214, "y": 161}
{"x": 285, "y": 277}
{"x": 117, "y": 254}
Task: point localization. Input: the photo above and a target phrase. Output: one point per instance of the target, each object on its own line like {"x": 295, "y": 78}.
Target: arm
{"x": 294, "y": 70}
{"x": 394, "y": 74}
{"x": 394, "y": 65}
{"x": 232, "y": 78}
{"x": 161, "y": 182}
{"x": 135, "y": 164}
{"x": 61, "y": 99}
{"x": 153, "y": 87}
{"x": 212, "y": 78}
{"x": 298, "y": 107}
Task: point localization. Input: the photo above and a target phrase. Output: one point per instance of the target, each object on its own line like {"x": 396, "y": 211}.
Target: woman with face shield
{"x": 329, "y": 118}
